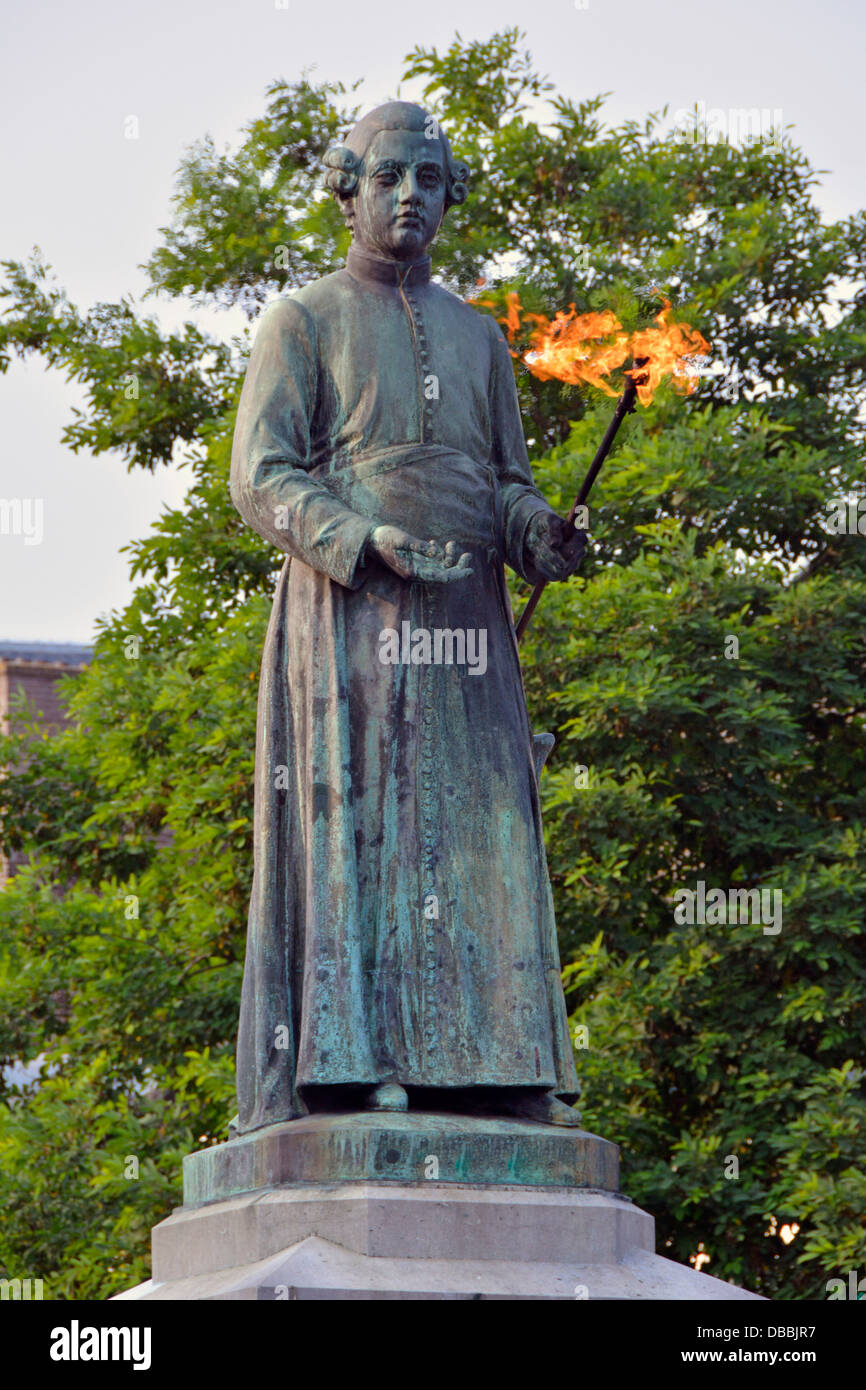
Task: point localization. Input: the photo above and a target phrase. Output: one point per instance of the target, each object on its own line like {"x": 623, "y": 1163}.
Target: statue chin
{"x": 399, "y": 246}
{"x": 410, "y": 249}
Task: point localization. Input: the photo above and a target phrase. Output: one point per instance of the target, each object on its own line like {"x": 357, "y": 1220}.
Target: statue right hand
{"x": 414, "y": 559}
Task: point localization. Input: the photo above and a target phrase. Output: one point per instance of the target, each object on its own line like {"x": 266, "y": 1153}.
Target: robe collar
{"x": 364, "y": 265}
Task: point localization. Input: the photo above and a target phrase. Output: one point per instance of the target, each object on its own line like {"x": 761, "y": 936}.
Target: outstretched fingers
{"x": 434, "y": 563}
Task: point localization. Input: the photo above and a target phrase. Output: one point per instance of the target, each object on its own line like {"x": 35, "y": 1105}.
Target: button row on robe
{"x": 423, "y": 359}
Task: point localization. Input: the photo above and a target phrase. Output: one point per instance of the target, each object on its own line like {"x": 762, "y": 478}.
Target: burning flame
{"x": 666, "y": 351}
{"x": 586, "y": 348}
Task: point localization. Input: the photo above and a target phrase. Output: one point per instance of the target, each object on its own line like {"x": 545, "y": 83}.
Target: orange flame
{"x": 569, "y": 348}
{"x": 565, "y": 349}
{"x": 667, "y": 350}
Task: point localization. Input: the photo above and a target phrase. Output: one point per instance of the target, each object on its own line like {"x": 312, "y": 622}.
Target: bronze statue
{"x": 402, "y": 948}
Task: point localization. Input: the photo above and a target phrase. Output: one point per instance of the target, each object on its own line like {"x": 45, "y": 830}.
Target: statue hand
{"x": 551, "y": 553}
{"x": 414, "y": 559}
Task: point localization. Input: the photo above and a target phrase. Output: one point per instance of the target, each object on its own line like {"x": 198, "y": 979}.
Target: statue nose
{"x": 410, "y": 192}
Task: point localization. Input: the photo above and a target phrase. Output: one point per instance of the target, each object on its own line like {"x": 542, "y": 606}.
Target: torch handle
{"x": 624, "y": 406}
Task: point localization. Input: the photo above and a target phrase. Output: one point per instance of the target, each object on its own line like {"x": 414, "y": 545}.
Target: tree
{"x": 704, "y": 677}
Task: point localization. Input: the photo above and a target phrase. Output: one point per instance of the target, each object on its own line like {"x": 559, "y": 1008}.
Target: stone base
{"x": 409, "y": 1146}
{"x": 339, "y": 1207}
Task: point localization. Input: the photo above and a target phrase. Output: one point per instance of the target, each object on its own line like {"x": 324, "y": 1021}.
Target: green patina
{"x": 406, "y": 1148}
{"x": 401, "y": 928}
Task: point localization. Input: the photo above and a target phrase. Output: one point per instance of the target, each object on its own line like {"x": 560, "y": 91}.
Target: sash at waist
{"x": 430, "y": 490}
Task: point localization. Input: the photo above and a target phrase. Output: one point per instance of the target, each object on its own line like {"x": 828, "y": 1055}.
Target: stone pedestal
{"x": 426, "y": 1206}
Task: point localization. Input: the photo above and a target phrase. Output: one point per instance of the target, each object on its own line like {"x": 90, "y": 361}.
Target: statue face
{"x": 400, "y": 200}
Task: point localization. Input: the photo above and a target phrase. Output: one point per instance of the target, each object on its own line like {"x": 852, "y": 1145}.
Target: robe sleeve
{"x": 521, "y": 499}
{"x": 270, "y": 484}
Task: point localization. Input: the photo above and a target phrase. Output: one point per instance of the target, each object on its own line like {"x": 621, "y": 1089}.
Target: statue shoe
{"x": 543, "y": 1107}
{"x": 387, "y": 1097}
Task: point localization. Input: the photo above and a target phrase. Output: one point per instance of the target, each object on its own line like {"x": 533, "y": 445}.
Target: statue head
{"x": 395, "y": 178}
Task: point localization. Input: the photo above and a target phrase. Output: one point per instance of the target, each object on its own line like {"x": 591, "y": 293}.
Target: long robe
{"x": 401, "y": 923}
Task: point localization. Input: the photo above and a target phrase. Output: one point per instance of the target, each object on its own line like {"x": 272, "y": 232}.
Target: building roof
{"x": 62, "y": 653}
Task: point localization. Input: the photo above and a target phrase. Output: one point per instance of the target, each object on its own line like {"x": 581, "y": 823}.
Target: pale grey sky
{"x": 93, "y": 200}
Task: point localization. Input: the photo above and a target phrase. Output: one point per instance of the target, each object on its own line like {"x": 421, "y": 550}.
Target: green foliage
{"x": 277, "y": 226}
{"x": 708, "y": 1049}
{"x": 145, "y": 392}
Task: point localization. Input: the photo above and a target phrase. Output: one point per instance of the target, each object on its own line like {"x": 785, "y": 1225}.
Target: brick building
{"x": 36, "y": 668}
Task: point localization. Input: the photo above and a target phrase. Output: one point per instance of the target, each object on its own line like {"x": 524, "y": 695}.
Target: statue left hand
{"x": 550, "y": 553}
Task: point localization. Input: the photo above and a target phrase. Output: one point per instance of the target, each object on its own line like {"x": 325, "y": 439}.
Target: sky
{"x": 93, "y": 200}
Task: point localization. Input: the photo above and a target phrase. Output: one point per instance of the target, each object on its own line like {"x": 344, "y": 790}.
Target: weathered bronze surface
{"x": 401, "y": 1148}
{"x": 401, "y": 927}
